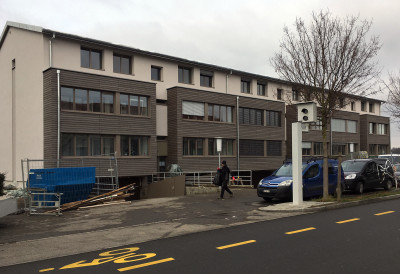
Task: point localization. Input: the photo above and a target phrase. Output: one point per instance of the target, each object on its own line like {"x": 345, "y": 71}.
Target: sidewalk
{"x": 94, "y": 228}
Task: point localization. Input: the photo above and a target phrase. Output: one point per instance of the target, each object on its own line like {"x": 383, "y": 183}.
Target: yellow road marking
{"x": 47, "y": 269}
{"x": 146, "y": 264}
{"x": 383, "y": 213}
{"x": 347, "y": 221}
{"x": 301, "y": 230}
{"x": 237, "y": 244}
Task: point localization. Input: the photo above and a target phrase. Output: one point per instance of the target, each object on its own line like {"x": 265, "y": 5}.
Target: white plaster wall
{"x": 26, "y": 47}
{"x": 162, "y": 120}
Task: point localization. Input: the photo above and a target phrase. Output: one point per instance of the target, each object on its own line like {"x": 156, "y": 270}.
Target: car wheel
{"x": 267, "y": 199}
{"x": 388, "y": 184}
{"x": 359, "y": 189}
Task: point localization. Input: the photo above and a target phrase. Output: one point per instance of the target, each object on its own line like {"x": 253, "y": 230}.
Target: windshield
{"x": 352, "y": 166}
{"x": 286, "y": 170}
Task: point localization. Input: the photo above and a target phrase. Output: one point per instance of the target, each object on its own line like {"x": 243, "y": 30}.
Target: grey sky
{"x": 237, "y": 34}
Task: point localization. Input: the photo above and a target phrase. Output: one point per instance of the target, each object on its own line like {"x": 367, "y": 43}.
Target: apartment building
{"x": 64, "y": 97}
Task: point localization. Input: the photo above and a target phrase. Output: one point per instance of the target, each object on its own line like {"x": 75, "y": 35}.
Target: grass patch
{"x": 354, "y": 197}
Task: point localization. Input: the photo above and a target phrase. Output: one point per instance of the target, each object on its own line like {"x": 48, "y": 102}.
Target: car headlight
{"x": 286, "y": 183}
{"x": 260, "y": 183}
{"x": 351, "y": 176}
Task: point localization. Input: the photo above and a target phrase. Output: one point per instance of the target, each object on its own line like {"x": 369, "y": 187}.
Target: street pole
{"x": 297, "y": 185}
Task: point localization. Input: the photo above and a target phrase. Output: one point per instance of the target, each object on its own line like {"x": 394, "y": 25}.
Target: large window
{"x": 245, "y": 86}
{"x": 351, "y": 126}
{"x": 87, "y": 145}
{"x": 279, "y": 94}
{"x": 192, "y": 110}
{"x": 251, "y": 116}
{"x": 382, "y": 129}
{"x": 206, "y": 78}
{"x": 87, "y": 100}
{"x": 251, "y": 148}
{"x": 274, "y": 148}
{"x": 273, "y": 118}
{"x": 134, "y": 145}
{"x": 134, "y": 105}
{"x": 227, "y": 147}
{"x": 91, "y": 58}
{"x": 295, "y": 95}
{"x": 338, "y": 125}
{"x": 338, "y": 149}
{"x": 318, "y": 148}
{"x": 155, "y": 73}
{"x": 372, "y": 149}
{"x": 261, "y": 89}
{"x": 383, "y": 149}
{"x": 184, "y": 75}
{"x": 219, "y": 113}
{"x": 371, "y": 128}
{"x": 306, "y": 148}
{"x": 122, "y": 64}
{"x": 193, "y": 146}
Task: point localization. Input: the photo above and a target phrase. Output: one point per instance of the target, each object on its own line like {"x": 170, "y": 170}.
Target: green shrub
{"x": 2, "y": 178}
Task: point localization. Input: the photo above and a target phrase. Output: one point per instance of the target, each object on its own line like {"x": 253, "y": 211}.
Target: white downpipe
{"x": 58, "y": 117}
{"x": 51, "y": 50}
{"x": 238, "y": 136}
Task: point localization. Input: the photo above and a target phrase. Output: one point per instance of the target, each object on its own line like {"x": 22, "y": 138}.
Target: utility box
{"x": 307, "y": 112}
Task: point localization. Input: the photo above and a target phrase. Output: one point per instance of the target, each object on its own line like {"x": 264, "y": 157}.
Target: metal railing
{"x": 242, "y": 177}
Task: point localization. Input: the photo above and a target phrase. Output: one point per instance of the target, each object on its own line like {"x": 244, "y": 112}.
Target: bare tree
{"x": 393, "y": 102}
{"x": 328, "y": 61}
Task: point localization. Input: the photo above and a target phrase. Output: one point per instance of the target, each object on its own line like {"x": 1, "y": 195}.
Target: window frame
{"x": 192, "y": 115}
{"x": 187, "y": 142}
{"x": 261, "y": 89}
{"x": 245, "y": 84}
{"x": 213, "y": 108}
{"x": 90, "y": 103}
{"x": 88, "y": 145}
{"x": 91, "y": 52}
{"x": 209, "y": 75}
{"x": 227, "y": 147}
{"x": 182, "y": 76}
{"x": 121, "y": 57}
{"x": 256, "y": 112}
{"x": 140, "y": 109}
{"x": 273, "y": 118}
{"x": 158, "y": 73}
{"x": 142, "y": 141}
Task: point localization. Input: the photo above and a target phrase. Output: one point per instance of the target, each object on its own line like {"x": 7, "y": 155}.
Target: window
{"x": 318, "y": 148}
{"x": 193, "y": 146}
{"x": 91, "y": 58}
{"x": 295, "y": 95}
{"x": 338, "y": 148}
{"x": 362, "y": 106}
{"x": 219, "y": 113}
{"x": 371, "y": 107}
{"x": 274, "y": 148}
{"x": 184, "y": 75}
{"x": 134, "y": 145}
{"x": 155, "y": 73}
{"x": 273, "y": 118}
{"x": 371, "y": 128}
{"x": 251, "y": 148}
{"x": 87, "y": 100}
{"x": 382, "y": 129}
{"x": 251, "y": 116}
{"x": 338, "y": 125}
{"x": 227, "y": 147}
{"x": 372, "y": 149}
{"x": 134, "y": 105}
{"x": 245, "y": 86}
{"x": 306, "y": 148}
{"x": 192, "y": 110}
{"x": 341, "y": 103}
{"x": 383, "y": 149}
{"x": 317, "y": 125}
{"x": 353, "y": 106}
{"x": 261, "y": 89}
{"x": 87, "y": 145}
{"x": 352, "y": 147}
{"x": 206, "y": 78}
{"x": 279, "y": 94}
{"x": 351, "y": 126}
{"x": 122, "y": 64}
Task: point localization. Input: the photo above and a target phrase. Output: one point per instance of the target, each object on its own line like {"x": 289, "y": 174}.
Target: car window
{"x": 353, "y": 166}
{"x": 286, "y": 170}
{"x": 372, "y": 167}
{"x": 312, "y": 172}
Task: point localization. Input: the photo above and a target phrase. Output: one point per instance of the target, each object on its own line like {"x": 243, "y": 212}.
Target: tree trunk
{"x": 339, "y": 179}
{"x": 325, "y": 165}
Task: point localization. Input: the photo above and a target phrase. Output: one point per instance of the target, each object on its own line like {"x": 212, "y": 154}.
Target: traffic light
{"x": 307, "y": 112}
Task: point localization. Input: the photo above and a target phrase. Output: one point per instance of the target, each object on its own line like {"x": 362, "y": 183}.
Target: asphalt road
{"x": 360, "y": 239}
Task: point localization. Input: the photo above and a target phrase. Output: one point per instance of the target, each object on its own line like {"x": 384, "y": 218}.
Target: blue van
{"x": 279, "y": 184}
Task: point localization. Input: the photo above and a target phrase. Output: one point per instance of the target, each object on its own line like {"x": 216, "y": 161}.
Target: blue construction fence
{"x": 75, "y": 183}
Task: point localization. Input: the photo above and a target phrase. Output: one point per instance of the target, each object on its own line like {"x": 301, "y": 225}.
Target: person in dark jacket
{"x": 224, "y": 177}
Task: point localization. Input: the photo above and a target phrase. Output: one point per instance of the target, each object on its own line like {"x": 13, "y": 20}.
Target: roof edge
{"x": 10, "y": 24}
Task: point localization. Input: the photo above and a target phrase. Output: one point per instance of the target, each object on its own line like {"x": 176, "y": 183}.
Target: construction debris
{"x": 125, "y": 192}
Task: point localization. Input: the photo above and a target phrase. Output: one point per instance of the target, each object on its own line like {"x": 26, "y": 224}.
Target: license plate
{"x": 267, "y": 190}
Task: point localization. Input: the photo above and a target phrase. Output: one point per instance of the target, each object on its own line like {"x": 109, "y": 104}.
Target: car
{"x": 279, "y": 184}
{"x": 361, "y": 174}
{"x": 396, "y": 168}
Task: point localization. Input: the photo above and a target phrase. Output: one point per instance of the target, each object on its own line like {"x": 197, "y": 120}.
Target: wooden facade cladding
{"x": 178, "y": 128}
{"x": 367, "y": 138}
{"x": 79, "y": 122}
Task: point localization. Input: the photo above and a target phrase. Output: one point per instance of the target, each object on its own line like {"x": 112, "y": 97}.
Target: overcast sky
{"x": 241, "y": 35}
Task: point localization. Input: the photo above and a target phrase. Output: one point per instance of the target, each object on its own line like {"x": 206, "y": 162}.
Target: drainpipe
{"x": 227, "y": 77}
{"x": 237, "y": 132}
{"x": 58, "y": 117}
{"x": 50, "y": 50}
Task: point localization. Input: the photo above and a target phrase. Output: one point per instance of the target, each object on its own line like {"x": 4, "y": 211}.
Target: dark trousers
{"x": 224, "y": 187}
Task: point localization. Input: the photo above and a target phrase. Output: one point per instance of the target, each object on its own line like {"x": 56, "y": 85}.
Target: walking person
{"x": 224, "y": 177}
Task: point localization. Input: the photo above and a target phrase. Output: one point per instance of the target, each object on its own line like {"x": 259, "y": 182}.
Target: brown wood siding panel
{"x": 367, "y": 138}
{"x": 99, "y": 123}
{"x": 178, "y": 128}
